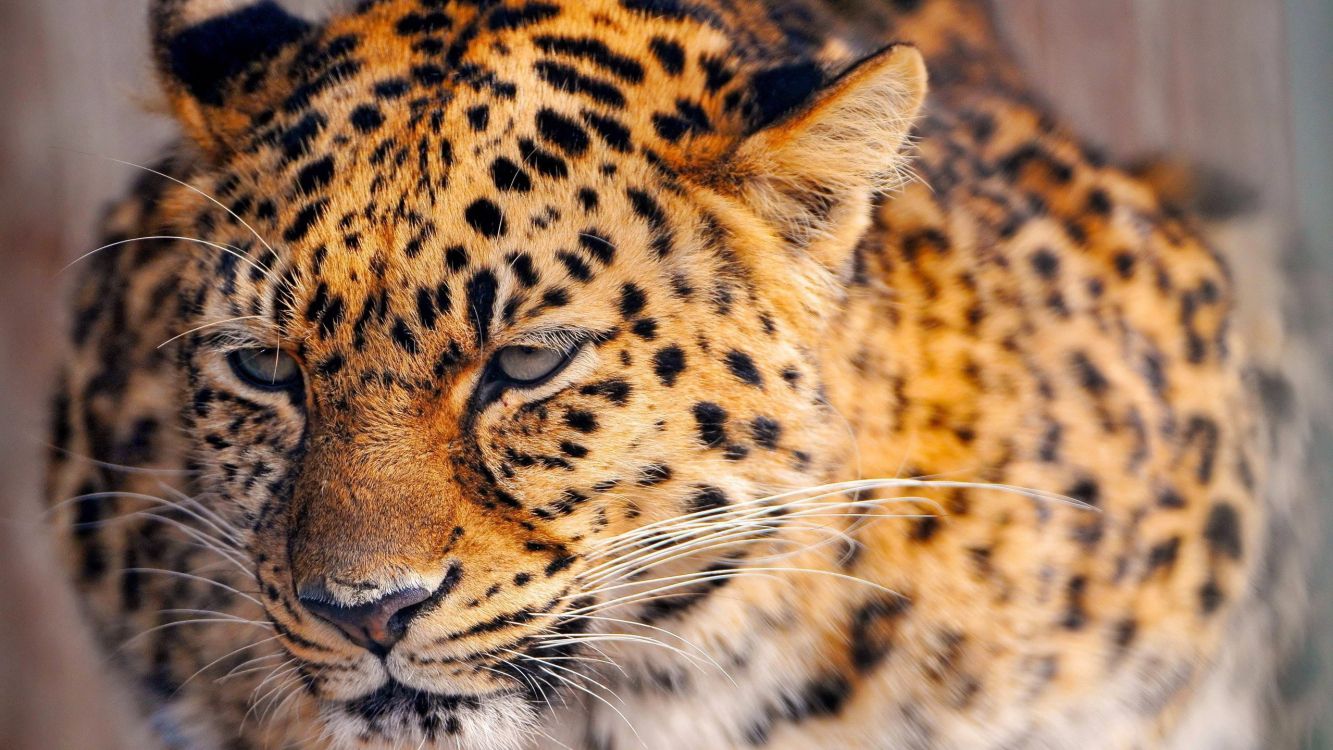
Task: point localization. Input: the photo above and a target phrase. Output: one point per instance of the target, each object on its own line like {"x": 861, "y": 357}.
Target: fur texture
{"x": 832, "y": 458}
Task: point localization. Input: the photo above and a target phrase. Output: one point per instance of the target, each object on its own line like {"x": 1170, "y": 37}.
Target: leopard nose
{"x": 375, "y": 626}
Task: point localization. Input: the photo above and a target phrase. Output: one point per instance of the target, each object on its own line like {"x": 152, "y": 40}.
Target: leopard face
{"x": 483, "y": 292}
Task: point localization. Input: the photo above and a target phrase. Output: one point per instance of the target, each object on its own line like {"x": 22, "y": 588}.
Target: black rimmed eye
{"x": 530, "y": 365}
{"x": 266, "y": 369}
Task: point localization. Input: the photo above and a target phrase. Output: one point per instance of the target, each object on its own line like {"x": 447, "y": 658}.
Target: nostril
{"x": 375, "y": 626}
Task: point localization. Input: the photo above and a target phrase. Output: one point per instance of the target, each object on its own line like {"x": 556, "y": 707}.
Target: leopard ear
{"x": 811, "y": 175}
{"x": 202, "y": 49}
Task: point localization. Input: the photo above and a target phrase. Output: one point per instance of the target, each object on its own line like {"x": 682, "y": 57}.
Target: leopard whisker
{"x": 542, "y": 666}
{"x": 114, "y": 466}
{"x": 250, "y": 666}
{"x": 195, "y": 189}
{"x": 604, "y": 618}
{"x": 227, "y": 655}
{"x": 559, "y": 640}
{"x": 734, "y": 535}
{"x": 193, "y": 577}
{"x": 194, "y": 621}
{"x": 838, "y": 488}
{"x": 228, "y": 249}
{"x": 205, "y": 326}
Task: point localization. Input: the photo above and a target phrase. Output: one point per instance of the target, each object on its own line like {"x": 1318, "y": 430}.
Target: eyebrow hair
{"x": 562, "y": 337}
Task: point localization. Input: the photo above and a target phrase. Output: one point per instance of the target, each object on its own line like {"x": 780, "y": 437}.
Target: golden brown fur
{"x": 765, "y": 290}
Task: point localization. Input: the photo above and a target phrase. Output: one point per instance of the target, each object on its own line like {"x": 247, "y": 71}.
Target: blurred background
{"x": 1241, "y": 86}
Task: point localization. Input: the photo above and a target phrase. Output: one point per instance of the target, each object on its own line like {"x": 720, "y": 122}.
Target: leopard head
{"x": 489, "y": 288}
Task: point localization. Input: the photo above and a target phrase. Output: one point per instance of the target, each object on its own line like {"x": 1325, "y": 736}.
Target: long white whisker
{"x": 209, "y": 665}
{"x": 188, "y": 186}
{"x": 193, "y": 577}
{"x": 197, "y": 329}
{"x": 224, "y": 248}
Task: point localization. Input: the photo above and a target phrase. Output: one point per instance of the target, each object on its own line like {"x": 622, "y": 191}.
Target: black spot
{"x": 612, "y": 131}
{"x": 523, "y": 15}
{"x": 1076, "y": 616}
{"x": 1124, "y": 264}
{"x": 455, "y": 258}
{"x": 1163, "y": 555}
{"x": 869, "y": 642}
{"x": 567, "y": 78}
{"x": 654, "y": 474}
{"x": 583, "y": 421}
{"x": 823, "y": 696}
{"x": 479, "y": 117}
{"x": 305, "y": 219}
{"x": 588, "y": 198}
{"x": 616, "y": 391}
{"x": 1222, "y": 531}
{"x": 572, "y": 449}
{"x": 647, "y": 208}
{"x": 1046, "y": 264}
{"x": 1210, "y": 597}
{"x": 1088, "y": 375}
{"x": 481, "y": 293}
{"x": 766, "y": 432}
{"x": 1085, "y": 490}
{"x": 524, "y": 269}
{"x": 743, "y": 367}
{"x": 423, "y": 23}
{"x": 707, "y": 498}
{"x": 486, "y": 218}
{"x": 597, "y": 246}
{"x": 595, "y": 51}
{"x": 403, "y": 336}
{"x": 669, "y": 53}
{"x": 367, "y": 118}
{"x": 632, "y": 300}
{"x": 509, "y": 176}
{"x": 574, "y": 265}
{"x": 562, "y": 131}
{"x": 425, "y": 308}
{"x": 668, "y": 363}
{"x": 295, "y": 141}
{"x": 645, "y": 328}
{"x": 712, "y": 421}
{"x": 545, "y": 162}
{"x": 669, "y": 127}
{"x": 393, "y": 88}
{"x": 315, "y": 175}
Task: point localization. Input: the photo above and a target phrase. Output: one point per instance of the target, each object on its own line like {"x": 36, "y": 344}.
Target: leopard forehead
{"x": 490, "y": 164}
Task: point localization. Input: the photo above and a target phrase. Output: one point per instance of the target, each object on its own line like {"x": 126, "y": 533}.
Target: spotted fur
{"x": 780, "y": 271}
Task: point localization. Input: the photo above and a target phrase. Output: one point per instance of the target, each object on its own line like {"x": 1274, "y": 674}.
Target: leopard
{"x": 500, "y": 374}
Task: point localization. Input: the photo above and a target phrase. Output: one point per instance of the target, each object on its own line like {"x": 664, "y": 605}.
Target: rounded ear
{"x": 812, "y": 175}
{"x": 202, "y": 47}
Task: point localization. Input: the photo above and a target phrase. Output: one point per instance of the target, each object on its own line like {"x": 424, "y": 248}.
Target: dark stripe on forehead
{"x": 513, "y": 18}
{"x": 566, "y": 134}
{"x": 567, "y": 78}
{"x": 482, "y": 290}
{"x": 594, "y": 51}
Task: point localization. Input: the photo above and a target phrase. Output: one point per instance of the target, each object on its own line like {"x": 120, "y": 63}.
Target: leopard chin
{"x": 398, "y": 716}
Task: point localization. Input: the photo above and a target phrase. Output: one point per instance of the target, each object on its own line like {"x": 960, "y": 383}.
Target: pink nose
{"x": 375, "y": 626}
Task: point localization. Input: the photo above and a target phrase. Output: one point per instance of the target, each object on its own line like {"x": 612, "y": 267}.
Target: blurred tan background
{"x": 1242, "y": 85}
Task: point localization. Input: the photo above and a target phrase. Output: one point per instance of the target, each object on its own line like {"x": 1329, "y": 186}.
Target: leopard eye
{"x": 265, "y": 368}
{"x": 530, "y": 365}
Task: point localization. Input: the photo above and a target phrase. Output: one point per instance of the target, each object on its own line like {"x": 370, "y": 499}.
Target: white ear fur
{"x": 813, "y": 174}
